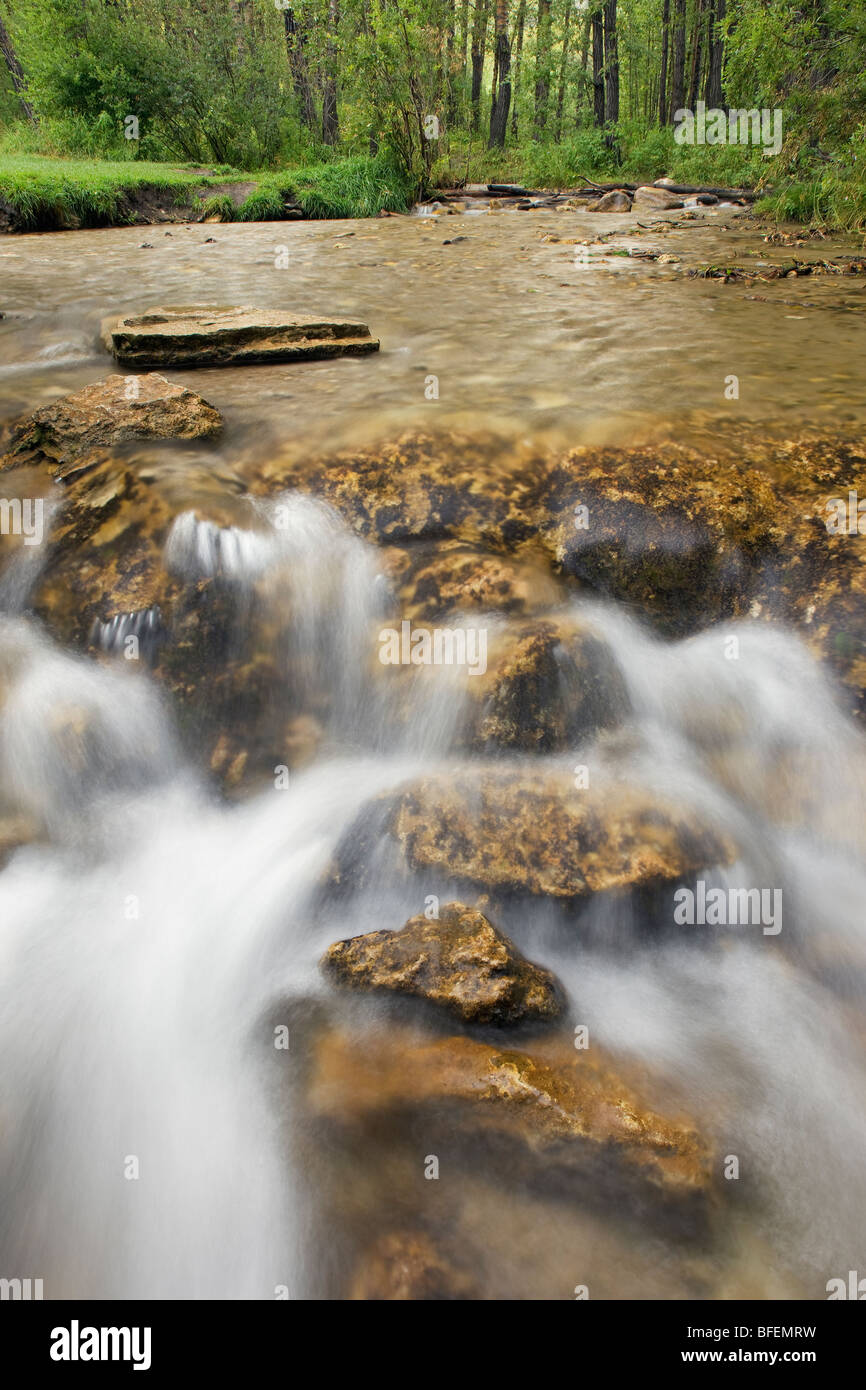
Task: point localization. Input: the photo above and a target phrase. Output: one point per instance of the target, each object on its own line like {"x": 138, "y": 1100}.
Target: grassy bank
{"x": 802, "y": 185}
{"x": 41, "y": 193}
{"x": 38, "y": 193}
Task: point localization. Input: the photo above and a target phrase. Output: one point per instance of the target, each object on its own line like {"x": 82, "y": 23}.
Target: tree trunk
{"x": 597, "y": 68}
{"x": 499, "y": 111}
{"x": 330, "y": 118}
{"x": 663, "y": 71}
{"x": 611, "y": 65}
{"x": 678, "y": 76}
{"x": 450, "y": 86}
{"x": 542, "y": 69}
{"x": 16, "y": 73}
{"x": 521, "y": 23}
{"x": 295, "y": 41}
{"x": 563, "y": 73}
{"x": 479, "y": 42}
{"x": 714, "y": 94}
{"x": 697, "y": 54}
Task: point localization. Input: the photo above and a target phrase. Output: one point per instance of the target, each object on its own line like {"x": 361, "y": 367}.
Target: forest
{"x": 434, "y": 92}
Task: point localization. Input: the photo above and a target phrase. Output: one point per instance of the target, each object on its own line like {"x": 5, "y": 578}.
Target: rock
{"x": 547, "y": 687}
{"x": 209, "y": 336}
{"x": 559, "y": 1110}
{"x": 432, "y": 580}
{"x": 460, "y": 486}
{"x": 532, "y": 831}
{"x": 674, "y": 533}
{"x": 111, "y": 412}
{"x": 459, "y": 961}
{"x": 617, "y": 201}
{"x": 406, "y": 1265}
{"x": 658, "y": 198}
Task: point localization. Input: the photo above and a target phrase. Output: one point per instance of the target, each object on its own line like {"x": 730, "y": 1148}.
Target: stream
{"x": 157, "y": 933}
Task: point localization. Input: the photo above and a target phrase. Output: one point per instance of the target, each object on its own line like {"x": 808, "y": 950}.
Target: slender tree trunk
{"x": 563, "y": 73}
{"x": 464, "y": 37}
{"x": 521, "y": 22}
{"x": 330, "y": 118}
{"x": 450, "y": 85}
{"x": 663, "y": 71}
{"x": 542, "y": 69}
{"x": 16, "y": 73}
{"x": 295, "y": 41}
{"x": 479, "y": 43}
{"x": 715, "y": 96}
{"x": 597, "y": 68}
{"x": 611, "y": 65}
{"x": 697, "y": 54}
{"x": 678, "y": 75}
{"x": 499, "y": 112}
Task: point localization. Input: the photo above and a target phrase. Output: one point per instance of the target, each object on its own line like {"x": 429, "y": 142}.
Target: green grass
{"x": 49, "y": 193}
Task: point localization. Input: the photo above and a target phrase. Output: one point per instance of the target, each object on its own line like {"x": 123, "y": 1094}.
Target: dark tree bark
{"x": 521, "y": 24}
{"x": 597, "y": 68}
{"x": 714, "y": 95}
{"x": 611, "y": 65}
{"x": 16, "y": 73}
{"x": 295, "y": 46}
{"x": 678, "y": 76}
{"x": 330, "y": 118}
{"x": 542, "y": 69}
{"x": 697, "y": 54}
{"x": 663, "y": 109}
{"x": 563, "y": 73}
{"x": 502, "y": 77}
{"x": 663, "y": 71}
{"x": 479, "y": 43}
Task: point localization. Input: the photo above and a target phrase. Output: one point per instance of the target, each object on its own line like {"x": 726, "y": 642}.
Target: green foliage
{"x": 238, "y": 84}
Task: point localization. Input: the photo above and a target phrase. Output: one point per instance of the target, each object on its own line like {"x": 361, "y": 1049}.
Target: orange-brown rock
{"x": 533, "y": 831}
{"x": 406, "y": 1265}
{"x": 559, "y": 1107}
{"x": 459, "y": 961}
{"x": 117, "y": 410}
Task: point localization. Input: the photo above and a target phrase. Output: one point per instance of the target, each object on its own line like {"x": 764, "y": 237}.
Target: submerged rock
{"x": 406, "y": 1265}
{"x": 547, "y": 687}
{"x": 200, "y": 335}
{"x": 115, "y": 411}
{"x": 459, "y": 961}
{"x": 559, "y": 1109}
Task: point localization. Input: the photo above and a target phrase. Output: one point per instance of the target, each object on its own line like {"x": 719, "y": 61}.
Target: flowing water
{"x": 153, "y": 936}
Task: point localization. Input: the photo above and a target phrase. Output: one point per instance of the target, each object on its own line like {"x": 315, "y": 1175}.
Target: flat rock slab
{"x": 200, "y": 335}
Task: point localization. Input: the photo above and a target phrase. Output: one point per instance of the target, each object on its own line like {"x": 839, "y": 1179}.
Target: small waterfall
{"x": 151, "y": 932}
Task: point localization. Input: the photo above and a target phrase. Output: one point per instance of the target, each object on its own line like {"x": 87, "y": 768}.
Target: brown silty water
{"x": 710, "y": 1142}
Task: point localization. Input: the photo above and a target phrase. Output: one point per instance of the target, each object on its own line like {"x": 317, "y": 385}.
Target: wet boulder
{"x": 615, "y": 201}
{"x": 201, "y": 335}
{"x": 406, "y": 1266}
{"x": 459, "y": 961}
{"x": 528, "y": 830}
{"x": 656, "y": 199}
{"x": 117, "y": 410}
{"x": 548, "y": 685}
{"x": 558, "y": 1110}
